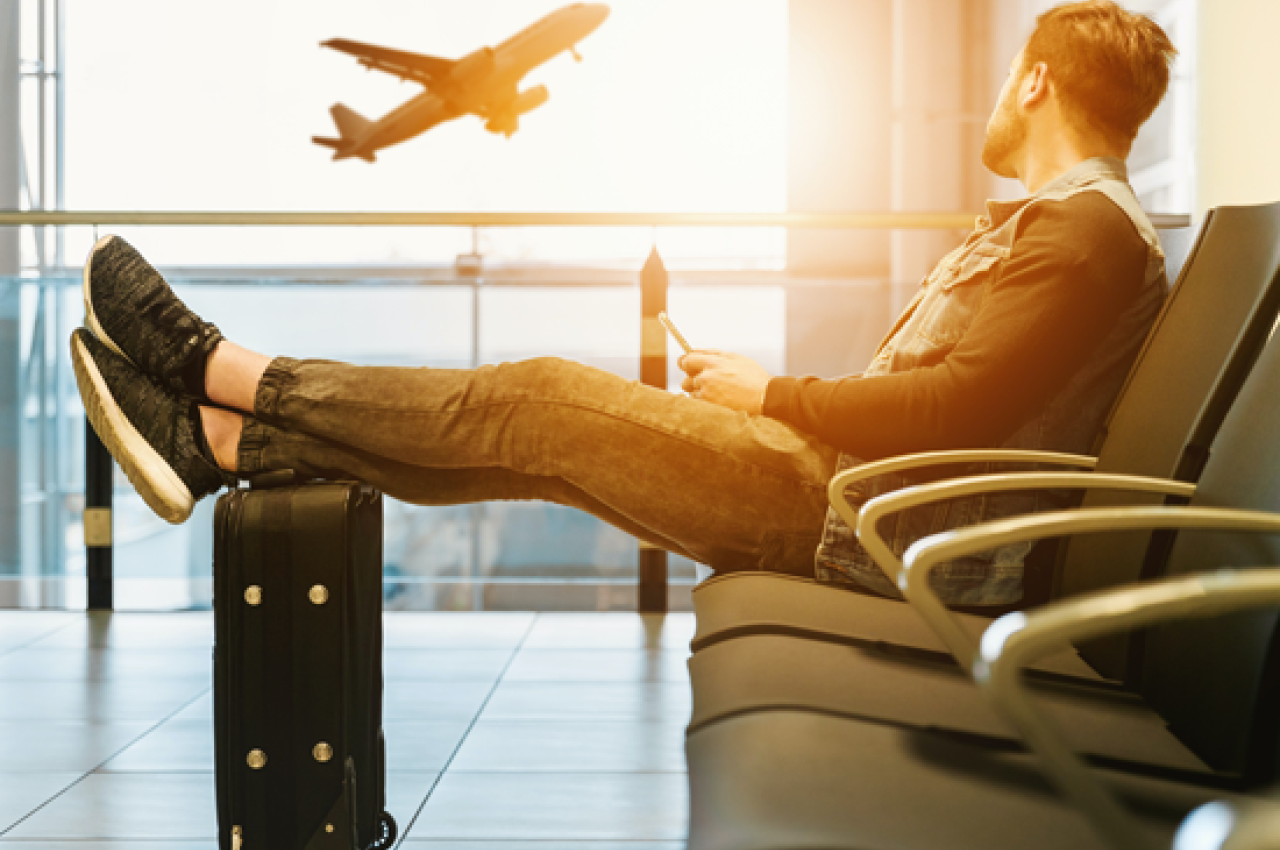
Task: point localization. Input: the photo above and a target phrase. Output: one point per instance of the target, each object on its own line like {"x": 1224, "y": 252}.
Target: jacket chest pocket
{"x": 959, "y": 288}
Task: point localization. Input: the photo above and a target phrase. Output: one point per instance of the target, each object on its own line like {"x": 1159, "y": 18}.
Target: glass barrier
{"x": 493, "y": 556}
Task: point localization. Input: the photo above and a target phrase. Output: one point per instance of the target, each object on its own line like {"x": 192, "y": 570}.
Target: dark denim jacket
{"x": 928, "y": 331}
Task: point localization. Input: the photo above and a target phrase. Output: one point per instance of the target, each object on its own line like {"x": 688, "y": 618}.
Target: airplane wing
{"x": 401, "y": 63}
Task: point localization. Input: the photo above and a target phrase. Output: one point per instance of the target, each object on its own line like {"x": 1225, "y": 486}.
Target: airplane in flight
{"x": 484, "y": 83}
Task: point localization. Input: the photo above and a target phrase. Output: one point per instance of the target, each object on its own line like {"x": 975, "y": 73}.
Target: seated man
{"x": 1020, "y": 337}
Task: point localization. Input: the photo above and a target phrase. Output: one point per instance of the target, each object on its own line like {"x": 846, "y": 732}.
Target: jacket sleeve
{"x": 1074, "y": 268}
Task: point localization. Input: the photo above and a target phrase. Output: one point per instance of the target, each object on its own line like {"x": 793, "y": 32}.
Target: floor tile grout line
{"x": 95, "y": 768}
{"x": 474, "y": 720}
{"x": 34, "y": 640}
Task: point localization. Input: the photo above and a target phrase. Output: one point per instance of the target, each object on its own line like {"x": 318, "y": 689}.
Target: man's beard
{"x": 1006, "y": 135}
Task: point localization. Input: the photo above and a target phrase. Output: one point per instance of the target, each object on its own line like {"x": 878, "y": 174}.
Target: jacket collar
{"x": 1080, "y": 174}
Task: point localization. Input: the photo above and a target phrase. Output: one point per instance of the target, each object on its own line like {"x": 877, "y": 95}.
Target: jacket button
{"x": 322, "y": 752}
{"x": 319, "y": 594}
{"x": 256, "y": 759}
{"x": 253, "y": 595}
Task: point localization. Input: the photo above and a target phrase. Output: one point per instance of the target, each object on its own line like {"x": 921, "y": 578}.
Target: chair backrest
{"x": 1176, "y": 242}
{"x": 1201, "y": 347}
{"x": 1196, "y": 358}
{"x": 1216, "y": 681}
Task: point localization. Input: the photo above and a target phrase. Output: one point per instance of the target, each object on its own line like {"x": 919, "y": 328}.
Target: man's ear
{"x": 1035, "y": 86}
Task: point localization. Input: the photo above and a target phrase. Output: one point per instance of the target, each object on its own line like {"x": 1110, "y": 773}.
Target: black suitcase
{"x": 297, "y": 690}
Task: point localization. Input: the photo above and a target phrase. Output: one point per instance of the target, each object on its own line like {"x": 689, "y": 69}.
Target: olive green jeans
{"x": 730, "y": 490}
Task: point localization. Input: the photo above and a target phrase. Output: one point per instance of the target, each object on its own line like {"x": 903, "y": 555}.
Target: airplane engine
{"x": 507, "y": 120}
{"x": 529, "y": 100}
{"x": 505, "y": 123}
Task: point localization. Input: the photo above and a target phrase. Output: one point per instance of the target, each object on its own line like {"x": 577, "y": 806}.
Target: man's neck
{"x": 1041, "y": 172}
{"x": 1057, "y": 153}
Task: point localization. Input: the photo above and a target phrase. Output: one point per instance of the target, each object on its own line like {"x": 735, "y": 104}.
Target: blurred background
{"x": 730, "y": 106}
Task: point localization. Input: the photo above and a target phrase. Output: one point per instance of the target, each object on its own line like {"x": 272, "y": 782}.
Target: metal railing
{"x": 821, "y": 221}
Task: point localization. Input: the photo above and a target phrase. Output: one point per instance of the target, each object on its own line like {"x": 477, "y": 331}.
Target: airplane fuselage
{"x": 484, "y": 83}
{"x": 540, "y": 42}
{"x": 407, "y": 120}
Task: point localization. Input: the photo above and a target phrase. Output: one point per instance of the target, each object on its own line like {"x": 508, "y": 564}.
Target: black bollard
{"x": 99, "y": 471}
{"x": 652, "y": 591}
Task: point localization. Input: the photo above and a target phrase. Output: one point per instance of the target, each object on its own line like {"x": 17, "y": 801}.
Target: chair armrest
{"x": 909, "y": 497}
{"x": 843, "y": 480}
{"x": 924, "y": 555}
{"x": 1016, "y": 640}
{"x": 1253, "y": 825}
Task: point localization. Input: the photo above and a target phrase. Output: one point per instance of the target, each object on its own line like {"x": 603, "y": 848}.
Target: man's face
{"x": 1007, "y": 128}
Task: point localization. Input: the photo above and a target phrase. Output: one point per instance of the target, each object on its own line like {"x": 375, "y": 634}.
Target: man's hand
{"x": 729, "y": 380}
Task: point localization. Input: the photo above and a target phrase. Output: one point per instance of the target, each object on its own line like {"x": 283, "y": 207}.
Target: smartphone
{"x": 671, "y": 328}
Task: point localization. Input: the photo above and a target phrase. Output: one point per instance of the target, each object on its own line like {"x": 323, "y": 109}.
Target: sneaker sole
{"x": 90, "y": 317}
{"x": 156, "y": 482}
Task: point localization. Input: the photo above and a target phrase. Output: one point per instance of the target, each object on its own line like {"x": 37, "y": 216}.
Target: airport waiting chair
{"x": 1195, "y": 359}
{"x": 769, "y": 670}
{"x": 799, "y": 774}
{"x": 776, "y": 667}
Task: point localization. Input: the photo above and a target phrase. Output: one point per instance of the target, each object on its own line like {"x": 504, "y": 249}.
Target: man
{"x": 1021, "y": 337}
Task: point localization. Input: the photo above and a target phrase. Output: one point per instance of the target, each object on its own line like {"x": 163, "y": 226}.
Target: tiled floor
{"x": 504, "y": 731}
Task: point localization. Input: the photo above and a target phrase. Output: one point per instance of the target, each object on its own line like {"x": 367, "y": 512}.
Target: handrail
{"x": 825, "y": 221}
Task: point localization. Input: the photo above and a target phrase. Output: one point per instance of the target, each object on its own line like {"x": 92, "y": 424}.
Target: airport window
{"x": 675, "y": 107}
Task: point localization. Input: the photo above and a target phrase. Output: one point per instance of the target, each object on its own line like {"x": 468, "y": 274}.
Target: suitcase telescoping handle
{"x": 287, "y": 478}
{"x": 275, "y": 478}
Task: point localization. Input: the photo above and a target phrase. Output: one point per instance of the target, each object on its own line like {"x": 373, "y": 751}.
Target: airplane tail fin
{"x": 351, "y": 124}
{"x": 351, "y": 127}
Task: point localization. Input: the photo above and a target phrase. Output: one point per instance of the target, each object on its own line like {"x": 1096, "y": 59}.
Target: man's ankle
{"x": 232, "y": 375}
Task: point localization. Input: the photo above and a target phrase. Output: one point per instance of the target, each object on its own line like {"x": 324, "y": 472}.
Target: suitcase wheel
{"x": 387, "y": 832}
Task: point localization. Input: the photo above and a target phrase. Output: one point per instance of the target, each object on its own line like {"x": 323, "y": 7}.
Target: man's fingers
{"x": 689, "y": 385}
{"x": 698, "y": 361}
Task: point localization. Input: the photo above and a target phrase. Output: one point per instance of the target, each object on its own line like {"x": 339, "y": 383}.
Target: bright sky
{"x": 679, "y": 105}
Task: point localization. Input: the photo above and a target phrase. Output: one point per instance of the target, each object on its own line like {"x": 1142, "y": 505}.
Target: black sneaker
{"x": 154, "y": 434}
{"x": 131, "y": 308}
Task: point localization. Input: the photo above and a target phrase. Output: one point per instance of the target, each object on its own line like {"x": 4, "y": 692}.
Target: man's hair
{"x": 1110, "y": 66}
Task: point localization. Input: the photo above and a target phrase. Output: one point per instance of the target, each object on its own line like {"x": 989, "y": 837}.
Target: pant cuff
{"x": 255, "y": 437}
{"x": 280, "y": 374}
